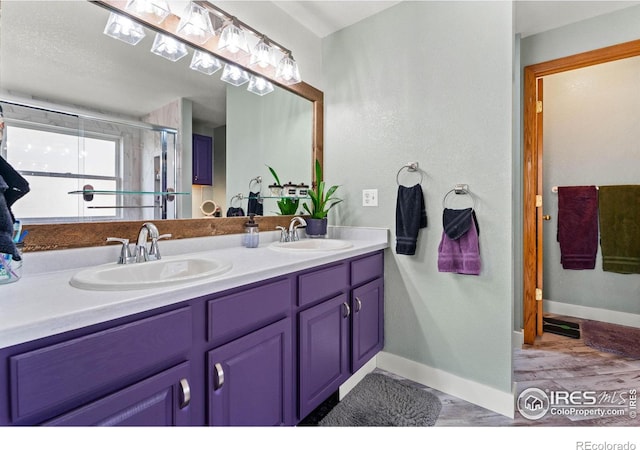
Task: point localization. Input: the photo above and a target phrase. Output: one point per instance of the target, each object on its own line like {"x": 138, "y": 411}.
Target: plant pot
{"x": 316, "y": 228}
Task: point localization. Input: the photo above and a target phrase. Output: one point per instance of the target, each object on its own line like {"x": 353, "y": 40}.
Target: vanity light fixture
{"x": 168, "y": 47}
{"x": 259, "y": 85}
{"x": 232, "y": 38}
{"x": 205, "y": 63}
{"x": 196, "y": 23}
{"x": 234, "y": 75}
{"x": 287, "y": 72}
{"x": 158, "y": 10}
{"x": 124, "y": 29}
{"x": 261, "y": 54}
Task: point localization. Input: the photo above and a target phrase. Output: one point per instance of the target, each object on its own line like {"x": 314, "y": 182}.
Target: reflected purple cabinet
{"x": 202, "y": 160}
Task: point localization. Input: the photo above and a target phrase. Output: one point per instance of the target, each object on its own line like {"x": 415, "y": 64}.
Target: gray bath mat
{"x": 381, "y": 401}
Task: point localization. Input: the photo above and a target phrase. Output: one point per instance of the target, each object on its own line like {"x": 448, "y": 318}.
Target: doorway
{"x": 532, "y": 174}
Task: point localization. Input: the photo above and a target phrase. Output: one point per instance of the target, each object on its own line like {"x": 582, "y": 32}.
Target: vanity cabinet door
{"x": 161, "y": 400}
{"x": 202, "y": 161}
{"x": 367, "y": 308}
{"x": 323, "y": 351}
{"x": 249, "y": 380}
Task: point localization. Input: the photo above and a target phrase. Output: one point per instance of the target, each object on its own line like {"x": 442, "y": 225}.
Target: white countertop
{"x": 43, "y": 303}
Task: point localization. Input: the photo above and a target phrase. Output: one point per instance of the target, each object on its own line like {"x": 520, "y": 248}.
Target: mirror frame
{"x": 43, "y": 237}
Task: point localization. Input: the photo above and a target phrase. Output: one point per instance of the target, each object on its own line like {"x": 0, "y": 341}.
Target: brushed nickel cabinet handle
{"x": 347, "y": 310}
{"x": 358, "y": 304}
{"x": 186, "y": 393}
{"x": 219, "y": 376}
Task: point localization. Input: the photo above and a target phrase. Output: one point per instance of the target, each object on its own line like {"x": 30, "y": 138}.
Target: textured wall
{"x": 431, "y": 82}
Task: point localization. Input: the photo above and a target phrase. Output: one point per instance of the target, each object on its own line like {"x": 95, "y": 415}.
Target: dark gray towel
{"x": 411, "y": 215}
{"x": 235, "y": 212}
{"x": 255, "y": 204}
{"x": 6, "y": 224}
{"x": 17, "y": 186}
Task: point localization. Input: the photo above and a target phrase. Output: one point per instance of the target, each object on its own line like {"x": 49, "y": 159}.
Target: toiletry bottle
{"x": 251, "y": 236}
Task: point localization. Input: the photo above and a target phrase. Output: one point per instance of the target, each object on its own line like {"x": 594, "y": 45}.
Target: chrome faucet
{"x": 140, "y": 252}
{"x": 148, "y": 231}
{"x": 293, "y": 228}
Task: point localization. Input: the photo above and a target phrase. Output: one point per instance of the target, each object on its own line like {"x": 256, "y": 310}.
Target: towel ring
{"x": 240, "y": 197}
{"x": 411, "y": 167}
{"x": 256, "y": 180}
{"x": 460, "y": 189}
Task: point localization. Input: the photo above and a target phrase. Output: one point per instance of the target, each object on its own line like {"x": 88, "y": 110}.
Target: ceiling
{"x": 531, "y": 17}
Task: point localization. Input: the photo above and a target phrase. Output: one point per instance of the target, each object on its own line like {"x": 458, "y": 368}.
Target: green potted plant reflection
{"x": 287, "y": 205}
{"x": 321, "y": 203}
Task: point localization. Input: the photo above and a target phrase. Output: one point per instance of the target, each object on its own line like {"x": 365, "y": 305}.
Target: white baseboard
{"x": 590, "y": 313}
{"x": 517, "y": 339}
{"x": 357, "y": 377}
{"x": 470, "y": 391}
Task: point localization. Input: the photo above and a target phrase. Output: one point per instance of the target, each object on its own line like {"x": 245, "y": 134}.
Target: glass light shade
{"x": 159, "y": 9}
{"x": 196, "y": 24}
{"x": 261, "y": 54}
{"x": 287, "y": 72}
{"x": 168, "y": 47}
{"x": 124, "y": 29}
{"x": 259, "y": 86}
{"x": 233, "y": 39}
{"x": 205, "y": 63}
{"x": 234, "y": 75}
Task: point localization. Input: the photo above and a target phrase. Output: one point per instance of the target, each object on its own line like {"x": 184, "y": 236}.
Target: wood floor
{"x": 555, "y": 363}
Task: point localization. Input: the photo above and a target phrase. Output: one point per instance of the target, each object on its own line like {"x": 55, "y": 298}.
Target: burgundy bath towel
{"x": 578, "y": 226}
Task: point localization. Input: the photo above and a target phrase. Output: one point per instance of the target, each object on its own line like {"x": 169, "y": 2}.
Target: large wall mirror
{"x": 55, "y": 57}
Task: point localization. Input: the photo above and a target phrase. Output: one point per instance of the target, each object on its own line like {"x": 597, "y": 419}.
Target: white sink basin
{"x": 165, "y": 272}
{"x": 312, "y": 245}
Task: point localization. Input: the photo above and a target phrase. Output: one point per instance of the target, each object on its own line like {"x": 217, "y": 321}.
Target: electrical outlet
{"x": 369, "y": 197}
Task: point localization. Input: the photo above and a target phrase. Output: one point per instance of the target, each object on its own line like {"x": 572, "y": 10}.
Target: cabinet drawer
{"x": 322, "y": 284}
{"x": 234, "y": 315}
{"x": 367, "y": 268}
{"x": 71, "y": 373}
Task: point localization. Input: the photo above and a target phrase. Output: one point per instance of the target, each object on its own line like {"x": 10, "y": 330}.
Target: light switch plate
{"x": 369, "y": 197}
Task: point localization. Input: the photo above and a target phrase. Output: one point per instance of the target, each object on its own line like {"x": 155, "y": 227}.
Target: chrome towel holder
{"x": 411, "y": 167}
{"x": 460, "y": 189}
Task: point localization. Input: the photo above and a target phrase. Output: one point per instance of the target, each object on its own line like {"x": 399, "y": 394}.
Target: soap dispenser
{"x": 251, "y": 236}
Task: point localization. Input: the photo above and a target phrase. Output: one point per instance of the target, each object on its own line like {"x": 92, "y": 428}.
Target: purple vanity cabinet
{"x": 250, "y": 379}
{"x": 324, "y": 352}
{"x": 250, "y": 365}
{"x": 202, "y": 160}
{"x": 262, "y": 354}
{"x": 103, "y": 375}
{"x": 161, "y": 400}
{"x": 367, "y": 309}
{"x": 340, "y": 325}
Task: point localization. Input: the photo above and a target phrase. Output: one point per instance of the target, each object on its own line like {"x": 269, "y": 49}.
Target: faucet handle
{"x": 284, "y": 236}
{"x": 154, "y": 250}
{"x": 125, "y": 251}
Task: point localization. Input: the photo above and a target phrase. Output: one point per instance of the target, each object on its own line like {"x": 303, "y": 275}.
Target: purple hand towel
{"x": 460, "y": 255}
{"x": 578, "y": 226}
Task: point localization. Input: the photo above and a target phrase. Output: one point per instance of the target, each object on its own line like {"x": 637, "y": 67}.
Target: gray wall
{"x": 598, "y": 32}
{"x": 273, "y": 130}
{"x": 431, "y": 82}
{"x": 591, "y": 136}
